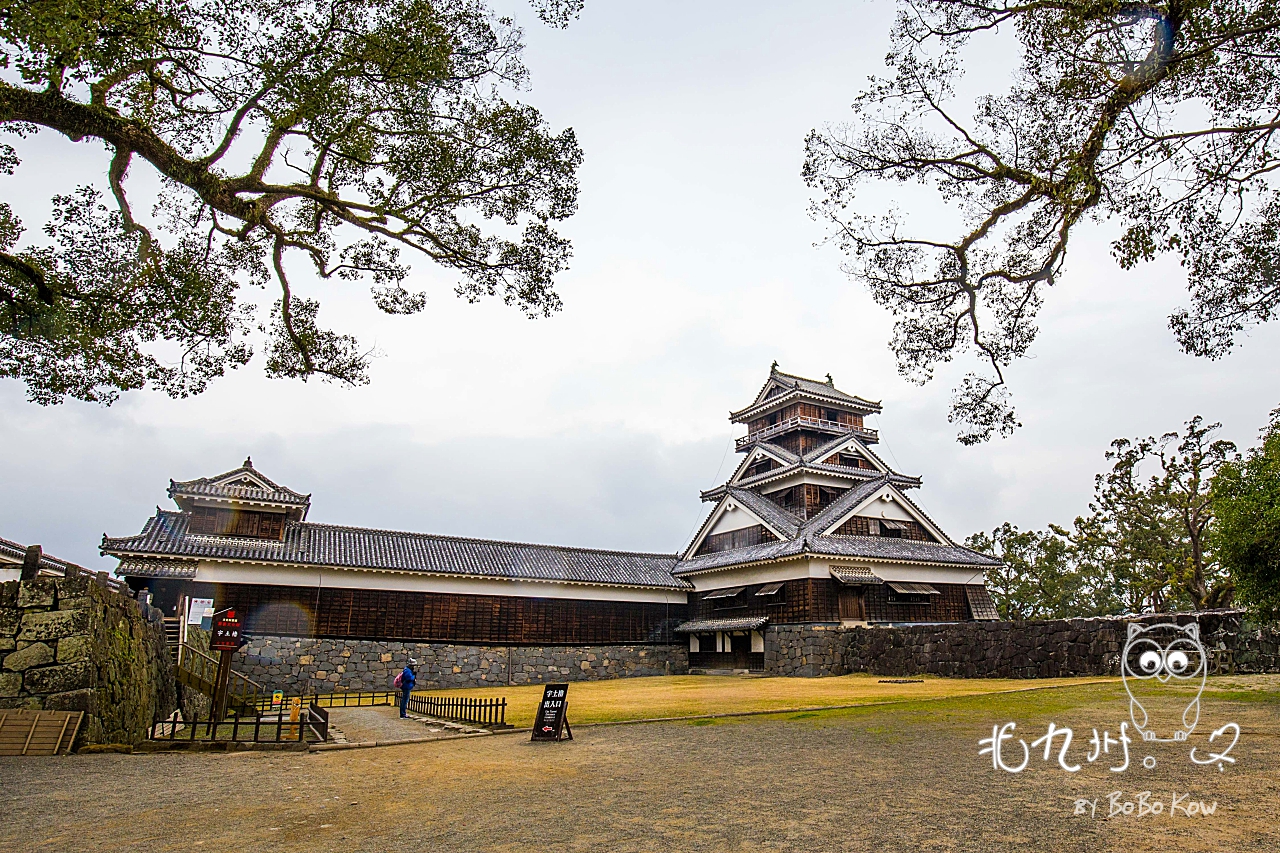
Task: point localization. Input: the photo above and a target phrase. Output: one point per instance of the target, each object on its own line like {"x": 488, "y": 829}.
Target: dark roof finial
{"x": 773, "y": 368}
{"x": 831, "y": 381}
{"x": 248, "y": 462}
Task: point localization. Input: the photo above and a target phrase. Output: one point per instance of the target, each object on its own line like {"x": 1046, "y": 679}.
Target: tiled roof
{"x": 11, "y": 552}
{"x": 742, "y": 623}
{"x": 151, "y": 567}
{"x": 775, "y": 516}
{"x": 740, "y": 556}
{"x": 839, "y": 470}
{"x": 855, "y": 575}
{"x": 888, "y": 548}
{"x": 812, "y": 461}
{"x": 812, "y": 387}
{"x": 807, "y": 535}
{"x": 828, "y": 389}
{"x": 209, "y": 487}
{"x": 844, "y": 503}
{"x": 305, "y": 543}
{"x": 866, "y": 547}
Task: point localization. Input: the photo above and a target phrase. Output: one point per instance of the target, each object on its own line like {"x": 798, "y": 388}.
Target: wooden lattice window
{"x": 216, "y": 521}
{"x": 744, "y": 538}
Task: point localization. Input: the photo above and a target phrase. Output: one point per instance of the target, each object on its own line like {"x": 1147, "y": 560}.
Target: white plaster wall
{"x": 733, "y": 520}
{"x": 785, "y": 571}
{"x": 804, "y": 567}
{"x": 907, "y": 572}
{"x": 810, "y": 477}
{"x": 211, "y": 571}
{"x": 886, "y": 509}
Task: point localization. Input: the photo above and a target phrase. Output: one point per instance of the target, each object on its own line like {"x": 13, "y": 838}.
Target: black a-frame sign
{"x": 552, "y": 720}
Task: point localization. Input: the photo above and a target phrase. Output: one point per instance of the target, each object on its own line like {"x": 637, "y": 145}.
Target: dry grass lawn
{"x": 694, "y": 695}
{"x": 881, "y": 778}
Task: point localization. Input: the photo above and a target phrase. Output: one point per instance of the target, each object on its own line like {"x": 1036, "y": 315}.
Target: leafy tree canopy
{"x": 1148, "y": 529}
{"x": 1037, "y": 578}
{"x": 1147, "y": 543}
{"x": 341, "y": 132}
{"x": 1159, "y": 115}
{"x": 1246, "y": 533}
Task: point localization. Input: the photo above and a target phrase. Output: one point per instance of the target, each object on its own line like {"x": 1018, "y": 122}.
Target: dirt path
{"x": 886, "y": 778}
{"x": 362, "y": 725}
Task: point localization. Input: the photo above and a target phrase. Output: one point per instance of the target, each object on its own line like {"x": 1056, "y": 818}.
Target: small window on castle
{"x": 893, "y": 529}
{"x": 230, "y": 522}
{"x": 773, "y": 593}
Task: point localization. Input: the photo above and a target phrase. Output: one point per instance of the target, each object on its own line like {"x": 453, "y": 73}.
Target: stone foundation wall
{"x": 303, "y": 665}
{"x": 69, "y": 644}
{"x": 1048, "y": 649}
{"x": 1258, "y": 649}
{"x": 806, "y": 651}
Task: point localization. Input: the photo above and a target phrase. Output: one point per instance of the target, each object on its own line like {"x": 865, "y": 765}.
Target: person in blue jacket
{"x": 407, "y": 680}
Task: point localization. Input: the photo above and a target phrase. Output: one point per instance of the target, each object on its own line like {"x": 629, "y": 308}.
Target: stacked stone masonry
{"x": 1049, "y": 649}
{"x": 305, "y": 665}
{"x": 69, "y": 644}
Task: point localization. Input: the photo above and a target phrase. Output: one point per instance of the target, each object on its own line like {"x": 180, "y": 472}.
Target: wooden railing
{"x": 199, "y": 671}
{"x": 340, "y": 699}
{"x": 489, "y": 713}
{"x": 811, "y": 423}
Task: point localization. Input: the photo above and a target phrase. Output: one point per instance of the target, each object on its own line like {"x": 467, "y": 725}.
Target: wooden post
{"x": 295, "y": 711}
{"x": 220, "y": 685}
{"x": 31, "y": 563}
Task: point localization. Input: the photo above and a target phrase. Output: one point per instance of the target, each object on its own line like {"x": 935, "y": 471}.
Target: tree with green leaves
{"x": 1159, "y": 116}
{"x": 340, "y": 133}
{"x": 1149, "y": 529}
{"x": 1150, "y": 541}
{"x": 1037, "y": 577}
{"x": 1246, "y": 531}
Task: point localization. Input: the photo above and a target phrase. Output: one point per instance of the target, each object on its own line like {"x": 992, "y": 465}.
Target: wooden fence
{"x": 340, "y": 699}
{"x": 312, "y": 725}
{"x": 490, "y": 713}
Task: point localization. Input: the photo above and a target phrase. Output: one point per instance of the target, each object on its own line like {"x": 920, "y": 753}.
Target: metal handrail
{"x": 802, "y": 421}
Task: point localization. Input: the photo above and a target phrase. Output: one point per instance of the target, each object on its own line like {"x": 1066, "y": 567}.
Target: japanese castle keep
{"x": 812, "y": 529}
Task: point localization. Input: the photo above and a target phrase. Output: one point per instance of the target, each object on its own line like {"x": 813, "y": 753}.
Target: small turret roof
{"x": 783, "y": 385}
{"x": 245, "y": 483}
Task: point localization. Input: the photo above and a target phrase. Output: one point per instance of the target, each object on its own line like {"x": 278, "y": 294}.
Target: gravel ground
{"x": 905, "y": 777}
{"x": 361, "y": 725}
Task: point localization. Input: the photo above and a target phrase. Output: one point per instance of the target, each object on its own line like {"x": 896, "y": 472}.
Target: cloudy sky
{"x": 695, "y": 266}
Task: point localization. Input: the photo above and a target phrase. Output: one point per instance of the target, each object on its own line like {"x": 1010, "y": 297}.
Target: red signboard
{"x": 226, "y": 631}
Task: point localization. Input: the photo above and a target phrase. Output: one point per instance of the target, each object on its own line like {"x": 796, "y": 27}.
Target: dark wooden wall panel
{"x": 444, "y": 617}
{"x": 743, "y": 537}
{"x": 950, "y": 606}
{"x": 804, "y": 600}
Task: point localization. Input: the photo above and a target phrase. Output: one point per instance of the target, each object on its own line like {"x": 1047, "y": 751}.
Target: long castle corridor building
{"x": 812, "y": 528}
